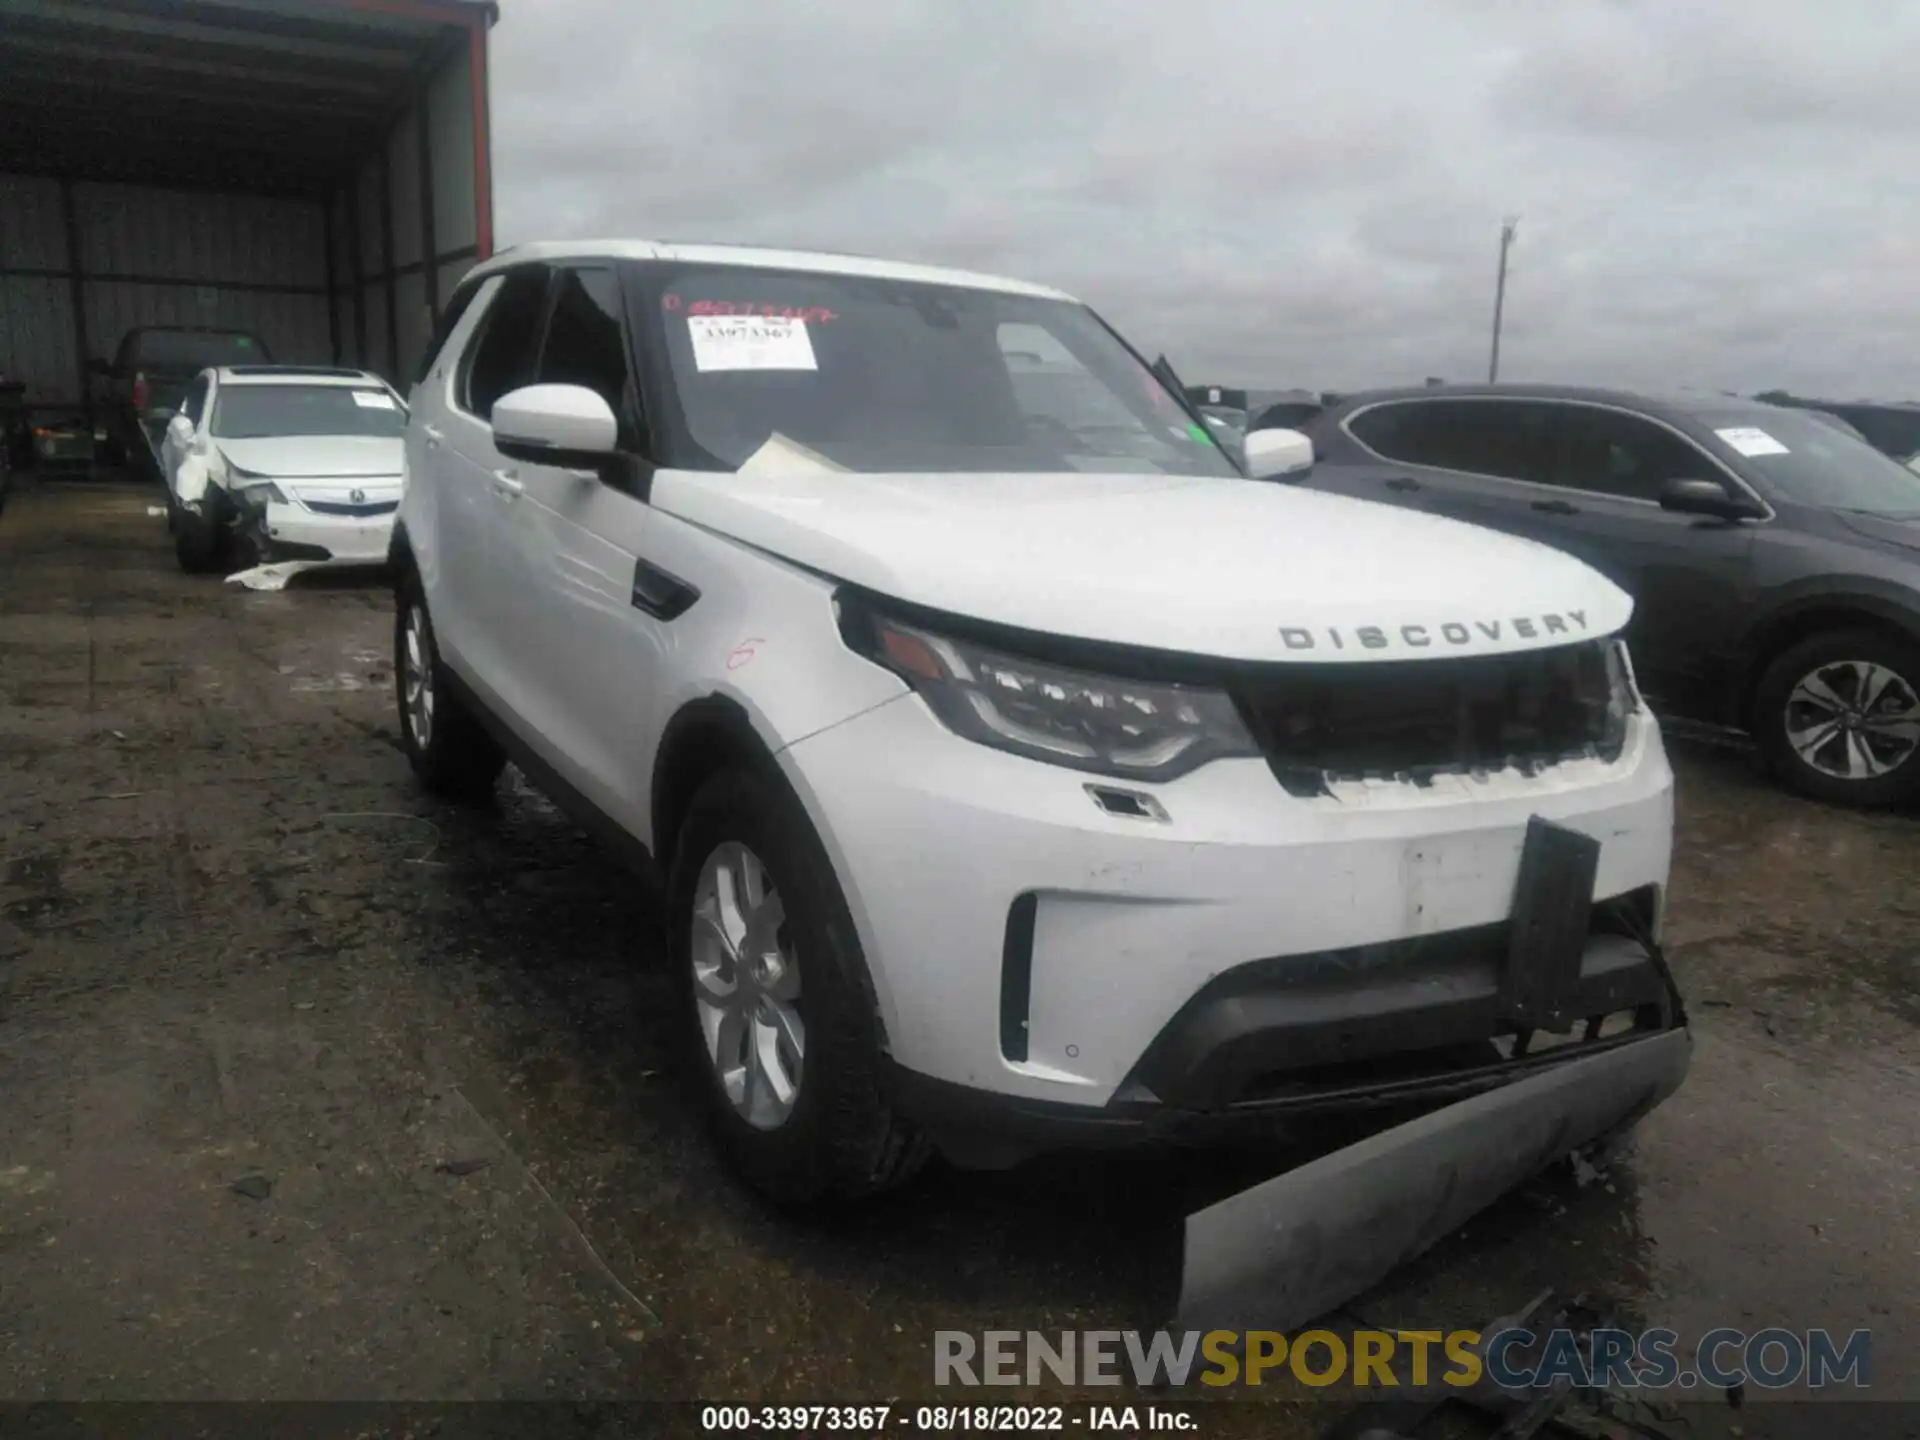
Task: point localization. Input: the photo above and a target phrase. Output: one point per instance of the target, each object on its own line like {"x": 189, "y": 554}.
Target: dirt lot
{"x": 236, "y": 942}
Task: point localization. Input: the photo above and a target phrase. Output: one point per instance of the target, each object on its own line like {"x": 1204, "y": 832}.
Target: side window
{"x": 1611, "y": 453}
{"x": 1502, "y": 438}
{"x": 586, "y": 345}
{"x": 449, "y": 318}
{"x": 1410, "y": 432}
{"x": 502, "y": 359}
{"x": 194, "y": 407}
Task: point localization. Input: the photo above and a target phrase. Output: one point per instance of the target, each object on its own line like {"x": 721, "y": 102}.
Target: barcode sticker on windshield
{"x": 1751, "y": 440}
{"x": 372, "y": 400}
{"x": 750, "y": 342}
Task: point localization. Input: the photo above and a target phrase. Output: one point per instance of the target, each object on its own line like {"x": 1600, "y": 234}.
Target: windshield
{"x": 1234, "y": 420}
{"x": 1812, "y": 462}
{"x": 881, "y": 376}
{"x": 256, "y": 412}
{"x": 197, "y": 349}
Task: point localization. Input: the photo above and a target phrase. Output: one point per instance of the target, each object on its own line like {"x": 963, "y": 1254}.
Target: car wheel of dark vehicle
{"x": 1838, "y": 717}
{"x": 783, "y": 1041}
{"x": 449, "y": 750}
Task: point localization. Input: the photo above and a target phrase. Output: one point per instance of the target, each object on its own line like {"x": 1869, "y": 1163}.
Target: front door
{"x": 476, "y": 616}
{"x": 588, "y": 655}
{"x": 1689, "y": 575}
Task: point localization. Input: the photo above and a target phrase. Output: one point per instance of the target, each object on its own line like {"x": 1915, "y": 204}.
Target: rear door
{"x": 1470, "y": 459}
{"x": 587, "y": 652}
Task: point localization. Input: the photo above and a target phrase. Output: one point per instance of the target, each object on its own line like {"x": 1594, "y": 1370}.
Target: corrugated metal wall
{"x": 36, "y": 310}
{"x": 420, "y": 192}
{"x": 402, "y": 231}
{"x": 151, "y": 257}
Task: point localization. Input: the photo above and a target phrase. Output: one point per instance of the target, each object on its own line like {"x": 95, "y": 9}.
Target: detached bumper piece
{"x": 1301, "y": 1245}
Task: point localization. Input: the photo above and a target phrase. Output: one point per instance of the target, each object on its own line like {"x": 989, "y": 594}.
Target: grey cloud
{"x": 1710, "y": 193}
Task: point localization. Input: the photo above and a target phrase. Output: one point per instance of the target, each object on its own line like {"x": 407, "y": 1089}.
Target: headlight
{"x": 1620, "y": 667}
{"x": 1605, "y": 692}
{"x": 254, "y": 486}
{"x": 1141, "y": 730}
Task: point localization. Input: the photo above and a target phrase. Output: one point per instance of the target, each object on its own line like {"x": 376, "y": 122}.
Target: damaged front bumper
{"x": 1270, "y": 1051}
{"x": 323, "y": 529}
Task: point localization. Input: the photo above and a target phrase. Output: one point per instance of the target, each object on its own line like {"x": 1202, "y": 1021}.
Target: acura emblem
{"x": 358, "y": 497}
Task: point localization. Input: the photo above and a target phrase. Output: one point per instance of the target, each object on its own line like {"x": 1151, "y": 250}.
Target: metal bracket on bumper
{"x": 1302, "y": 1244}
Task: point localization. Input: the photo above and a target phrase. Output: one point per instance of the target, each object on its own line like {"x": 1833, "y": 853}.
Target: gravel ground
{"x": 313, "y": 1088}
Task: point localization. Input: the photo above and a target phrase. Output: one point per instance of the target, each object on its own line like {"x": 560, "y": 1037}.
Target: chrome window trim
{"x": 1740, "y": 485}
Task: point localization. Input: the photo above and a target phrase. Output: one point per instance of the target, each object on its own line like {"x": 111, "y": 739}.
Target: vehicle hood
{"x": 1901, "y": 532}
{"x": 295, "y": 457}
{"x": 1236, "y": 569}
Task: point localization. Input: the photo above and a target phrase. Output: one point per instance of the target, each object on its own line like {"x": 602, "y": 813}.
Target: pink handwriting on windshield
{"x": 811, "y": 314}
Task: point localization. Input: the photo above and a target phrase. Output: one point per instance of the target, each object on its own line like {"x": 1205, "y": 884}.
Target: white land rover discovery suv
{"x": 1023, "y": 773}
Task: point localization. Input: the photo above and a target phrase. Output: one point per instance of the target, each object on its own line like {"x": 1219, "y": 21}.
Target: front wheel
{"x": 782, "y": 1038}
{"x": 1838, "y": 718}
{"x": 199, "y": 539}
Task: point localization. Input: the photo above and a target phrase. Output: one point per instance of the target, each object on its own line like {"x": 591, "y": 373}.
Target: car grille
{"x": 1414, "y": 720}
{"x": 372, "y": 507}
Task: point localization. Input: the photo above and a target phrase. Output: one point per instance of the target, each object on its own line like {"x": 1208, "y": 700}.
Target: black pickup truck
{"x": 138, "y": 391}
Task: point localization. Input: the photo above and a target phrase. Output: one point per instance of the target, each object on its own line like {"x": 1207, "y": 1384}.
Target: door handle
{"x": 508, "y": 484}
{"x": 1403, "y": 483}
{"x": 1555, "y": 507}
{"x": 434, "y": 437}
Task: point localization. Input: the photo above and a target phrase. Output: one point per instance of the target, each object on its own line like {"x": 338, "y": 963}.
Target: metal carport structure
{"x": 314, "y": 170}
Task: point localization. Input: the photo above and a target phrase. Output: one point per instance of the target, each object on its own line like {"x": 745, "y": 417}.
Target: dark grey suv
{"x": 1774, "y": 558}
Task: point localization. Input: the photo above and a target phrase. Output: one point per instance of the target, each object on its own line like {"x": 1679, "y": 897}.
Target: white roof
{"x": 820, "y": 262}
{"x": 297, "y": 375}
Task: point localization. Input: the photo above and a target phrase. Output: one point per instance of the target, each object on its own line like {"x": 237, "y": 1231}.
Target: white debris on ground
{"x": 156, "y": 509}
{"x": 271, "y": 577}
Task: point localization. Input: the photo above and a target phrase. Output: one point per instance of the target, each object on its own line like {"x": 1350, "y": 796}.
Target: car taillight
{"x": 139, "y": 392}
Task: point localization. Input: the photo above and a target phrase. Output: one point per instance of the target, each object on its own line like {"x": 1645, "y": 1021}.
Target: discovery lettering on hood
{"x": 1440, "y": 634}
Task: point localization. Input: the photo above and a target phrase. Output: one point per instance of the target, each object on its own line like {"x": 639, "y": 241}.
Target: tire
{"x": 199, "y": 542}
{"x": 1798, "y": 692}
{"x": 449, "y": 750}
{"x": 838, "y": 1138}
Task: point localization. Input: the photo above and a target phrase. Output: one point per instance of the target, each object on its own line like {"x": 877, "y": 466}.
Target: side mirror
{"x": 181, "y": 422}
{"x": 1274, "y": 454}
{"x": 1705, "y": 497}
{"x": 565, "y": 425}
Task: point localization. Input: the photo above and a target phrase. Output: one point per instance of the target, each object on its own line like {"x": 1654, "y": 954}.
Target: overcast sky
{"x": 1723, "y": 195}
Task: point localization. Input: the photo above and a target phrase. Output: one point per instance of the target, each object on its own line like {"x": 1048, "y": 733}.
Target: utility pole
{"x": 1507, "y": 227}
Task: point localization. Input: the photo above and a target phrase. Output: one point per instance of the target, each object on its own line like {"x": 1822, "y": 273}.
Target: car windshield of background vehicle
{"x": 879, "y": 376}
{"x": 192, "y": 350}
{"x": 1814, "y": 463}
{"x": 258, "y": 412}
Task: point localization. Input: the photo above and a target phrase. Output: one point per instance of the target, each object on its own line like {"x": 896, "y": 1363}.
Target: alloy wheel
{"x": 746, "y": 986}
{"x": 1853, "y": 720}
{"x": 417, "y": 678}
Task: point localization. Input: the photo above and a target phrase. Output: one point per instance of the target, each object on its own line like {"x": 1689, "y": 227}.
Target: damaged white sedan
{"x": 305, "y": 464}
